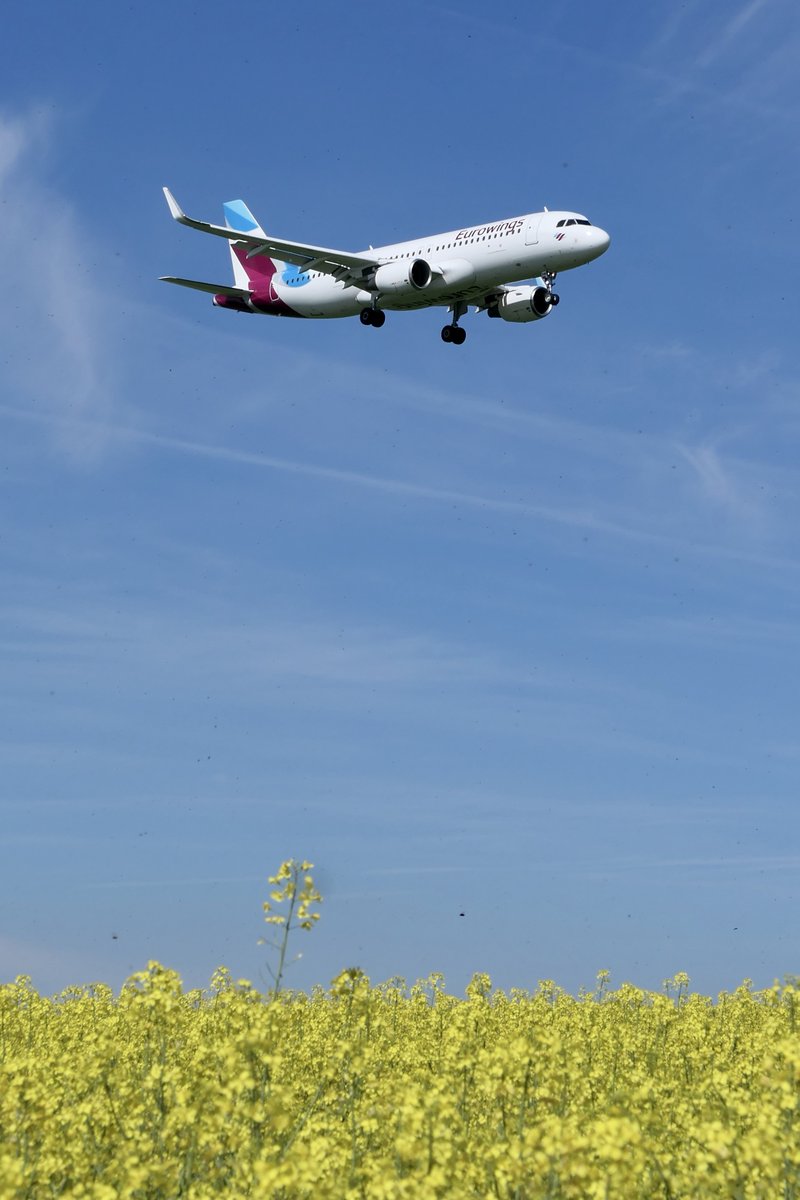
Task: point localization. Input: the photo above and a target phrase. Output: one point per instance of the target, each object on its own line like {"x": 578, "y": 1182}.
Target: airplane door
{"x": 532, "y": 230}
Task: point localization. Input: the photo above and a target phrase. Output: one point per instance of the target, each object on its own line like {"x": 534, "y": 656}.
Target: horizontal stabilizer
{"x": 216, "y": 289}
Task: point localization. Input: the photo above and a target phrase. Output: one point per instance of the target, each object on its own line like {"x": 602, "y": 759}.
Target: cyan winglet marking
{"x": 238, "y": 216}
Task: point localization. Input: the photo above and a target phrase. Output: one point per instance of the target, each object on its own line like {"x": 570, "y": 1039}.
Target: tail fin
{"x": 238, "y": 216}
{"x": 247, "y": 272}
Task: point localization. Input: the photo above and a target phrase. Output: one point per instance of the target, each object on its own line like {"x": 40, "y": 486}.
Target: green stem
{"x": 285, "y": 939}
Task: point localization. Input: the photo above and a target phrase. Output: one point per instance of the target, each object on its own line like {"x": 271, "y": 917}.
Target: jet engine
{"x": 397, "y": 277}
{"x": 231, "y": 302}
{"x": 523, "y": 304}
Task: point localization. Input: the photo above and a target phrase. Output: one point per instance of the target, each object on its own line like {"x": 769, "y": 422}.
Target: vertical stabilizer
{"x": 239, "y": 217}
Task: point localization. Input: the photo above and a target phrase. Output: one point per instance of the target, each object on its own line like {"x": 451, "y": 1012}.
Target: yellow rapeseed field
{"x": 395, "y": 1093}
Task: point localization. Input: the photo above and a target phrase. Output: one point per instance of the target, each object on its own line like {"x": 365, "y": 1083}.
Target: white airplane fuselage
{"x": 473, "y": 260}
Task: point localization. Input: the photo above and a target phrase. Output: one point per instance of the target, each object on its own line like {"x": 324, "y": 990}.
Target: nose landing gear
{"x": 548, "y": 279}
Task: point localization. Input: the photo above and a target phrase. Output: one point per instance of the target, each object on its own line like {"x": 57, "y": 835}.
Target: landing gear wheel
{"x": 366, "y": 316}
{"x": 378, "y": 317}
{"x": 459, "y": 336}
{"x": 548, "y": 279}
{"x": 447, "y": 333}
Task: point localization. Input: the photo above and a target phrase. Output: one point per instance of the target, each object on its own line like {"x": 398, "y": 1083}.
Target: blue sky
{"x": 508, "y": 630}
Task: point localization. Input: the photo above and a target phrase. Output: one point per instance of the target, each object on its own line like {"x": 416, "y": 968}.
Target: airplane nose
{"x": 603, "y": 240}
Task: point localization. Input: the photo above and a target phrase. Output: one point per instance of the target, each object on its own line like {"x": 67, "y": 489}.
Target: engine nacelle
{"x": 396, "y": 278}
{"x": 523, "y": 304}
{"x": 231, "y": 302}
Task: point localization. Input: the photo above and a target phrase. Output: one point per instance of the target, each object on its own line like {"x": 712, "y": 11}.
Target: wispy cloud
{"x": 55, "y": 342}
{"x": 656, "y": 66}
{"x": 170, "y": 881}
{"x": 719, "y": 482}
{"x": 743, "y": 61}
{"x": 580, "y": 518}
{"x": 709, "y": 627}
{"x": 730, "y": 31}
{"x": 621, "y": 520}
{"x": 267, "y": 647}
{"x": 15, "y": 138}
{"x": 435, "y": 869}
{"x": 680, "y": 15}
{"x": 748, "y": 863}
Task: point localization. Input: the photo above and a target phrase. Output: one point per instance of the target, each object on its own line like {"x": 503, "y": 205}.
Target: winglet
{"x": 175, "y": 209}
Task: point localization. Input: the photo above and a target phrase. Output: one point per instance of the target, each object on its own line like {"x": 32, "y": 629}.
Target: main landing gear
{"x": 373, "y": 316}
{"x": 548, "y": 279}
{"x": 453, "y": 332}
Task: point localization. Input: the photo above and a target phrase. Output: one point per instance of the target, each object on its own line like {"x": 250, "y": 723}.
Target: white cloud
{"x": 15, "y": 137}
{"x": 718, "y": 481}
{"x": 582, "y": 518}
{"x": 744, "y": 631}
{"x": 267, "y": 647}
{"x": 728, "y": 34}
{"x": 723, "y": 487}
{"x": 678, "y": 18}
{"x": 55, "y": 343}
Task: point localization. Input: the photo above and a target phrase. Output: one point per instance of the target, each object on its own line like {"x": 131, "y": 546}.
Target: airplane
{"x": 480, "y": 266}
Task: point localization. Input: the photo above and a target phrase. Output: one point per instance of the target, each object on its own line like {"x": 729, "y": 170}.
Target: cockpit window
{"x": 582, "y": 221}
{"x": 560, "y": 223}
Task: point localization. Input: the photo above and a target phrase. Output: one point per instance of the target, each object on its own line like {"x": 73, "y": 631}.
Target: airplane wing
{"x": 216, "y": 289}
{"x": 351, "y": 268}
